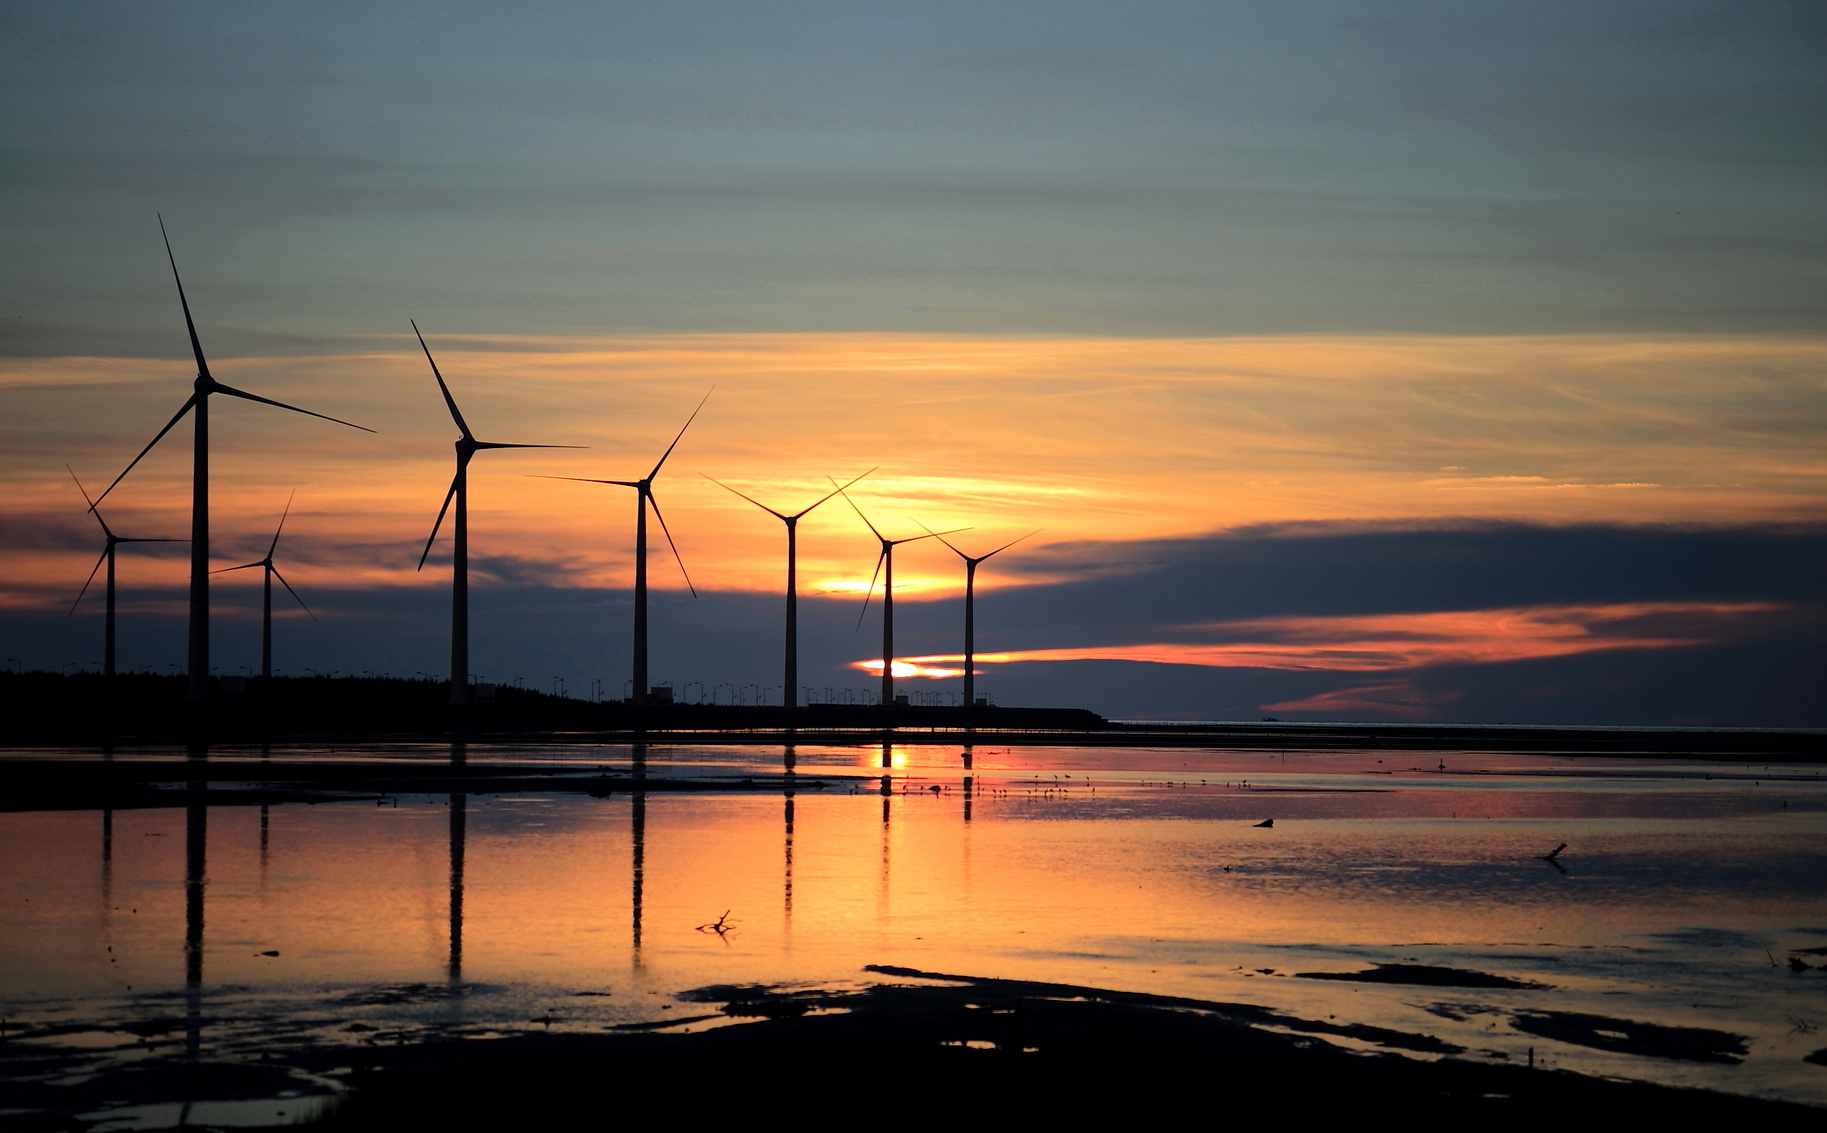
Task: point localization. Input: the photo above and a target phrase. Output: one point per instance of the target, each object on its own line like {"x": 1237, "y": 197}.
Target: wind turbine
{"x": 107, "y": 556}
{"x": 886, "y": 558}
{"x": 643, "y": 497}
{"x": 266, "y": 606}
{"x": 970, "y": 609}
{"x": 198, "y": 654}
{"x": 790, "y": 698}
{"x": 467, "y": 447}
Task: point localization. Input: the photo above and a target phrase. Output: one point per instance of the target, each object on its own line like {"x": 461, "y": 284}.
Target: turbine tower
{"x": 198, "y": 654}
{"x": 107, "y": 556}
{"x": 271, "y": 572}
{"x": 643, "y": 497}
{"x": 790, "y": 698}
{"x": 886, "y": 558}
{"x": 970, "y": 609}
{"x": 467, "y": 447}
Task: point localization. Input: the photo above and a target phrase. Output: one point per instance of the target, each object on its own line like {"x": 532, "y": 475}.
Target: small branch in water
{"x": 1555, "y": 854}
{"x": 722, "y": 926}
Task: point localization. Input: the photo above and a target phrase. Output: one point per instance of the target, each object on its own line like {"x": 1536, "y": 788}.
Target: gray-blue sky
{"x": 1126, "y": 168}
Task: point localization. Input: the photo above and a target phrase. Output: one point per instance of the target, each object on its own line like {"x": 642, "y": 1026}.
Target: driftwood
{"x": 722, "y": 926}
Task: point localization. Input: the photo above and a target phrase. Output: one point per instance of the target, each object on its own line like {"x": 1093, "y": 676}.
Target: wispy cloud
{"x": 914, "y": 667}
{"x": 1383, "y": 642}
{"x": 1391, "y": 698}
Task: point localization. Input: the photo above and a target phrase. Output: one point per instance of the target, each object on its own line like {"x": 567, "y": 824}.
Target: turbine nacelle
{"x": 644, "y": 487}
{"x": 467, "y": 446}
{"x": 112, "y": 540}
{"x": 791, "y": 520}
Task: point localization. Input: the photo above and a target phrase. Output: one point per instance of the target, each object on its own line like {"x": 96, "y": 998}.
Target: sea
{"x": 1653, "y": 918}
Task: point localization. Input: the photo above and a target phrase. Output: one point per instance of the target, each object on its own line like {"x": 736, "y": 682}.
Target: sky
{"x": 1416, "y": 361}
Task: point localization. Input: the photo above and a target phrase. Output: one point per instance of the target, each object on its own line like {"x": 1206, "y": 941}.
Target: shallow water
{"x": 1683, "y": 891}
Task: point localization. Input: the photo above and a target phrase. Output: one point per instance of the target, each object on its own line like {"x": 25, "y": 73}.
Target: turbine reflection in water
{"x": 637, "y": 838}
{"x": 196, "y": 852}
{"x": 787, "y": 763}
{"x": 459, "y": 837}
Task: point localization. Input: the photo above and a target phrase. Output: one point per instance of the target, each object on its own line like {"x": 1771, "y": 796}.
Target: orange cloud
{"x": 1397, "y": 698}
{"x": 911, "y": 668}
{"x": 1102, "y": 439}
{"x": 1382, "y": 642}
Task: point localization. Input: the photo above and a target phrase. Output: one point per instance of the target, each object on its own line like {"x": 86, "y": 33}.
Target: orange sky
{"x": 1092, "y": 439}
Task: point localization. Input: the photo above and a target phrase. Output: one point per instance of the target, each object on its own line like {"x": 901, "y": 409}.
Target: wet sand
{"x": 916, "y": 1045}
{"x": 90, "y": 783}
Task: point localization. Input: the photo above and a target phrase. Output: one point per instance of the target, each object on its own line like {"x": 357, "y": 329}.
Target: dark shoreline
{"x": 1006, "y": 728}
{"x": 47, "y": 710}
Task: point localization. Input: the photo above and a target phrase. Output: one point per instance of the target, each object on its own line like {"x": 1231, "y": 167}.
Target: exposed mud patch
{"x": 1653, "y": 1040}
{"x": 1426, "y": 975}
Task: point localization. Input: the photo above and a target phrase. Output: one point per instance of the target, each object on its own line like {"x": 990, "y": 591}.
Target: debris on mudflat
{"x": 721, "y": 926}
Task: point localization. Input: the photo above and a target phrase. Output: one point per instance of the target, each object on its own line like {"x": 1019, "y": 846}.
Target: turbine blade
{"x": 753, "y": 500}
{"x": 857, "y": 510}
{"x": 829, "y": 494}
{"x": 293, "y": 593}
{"x": 497, "y": 444}
{"x": 930, "y": 534}
{"x": 583, "y": 480}
{"x": 946, "y": 541}
{"x": 281, "y": 527}
{"x": 196, "y": 347}
{"x": 871, "y": 591}
{"x": 440, "y": 521}
{"x": 189, "y": 404}
{"x": 1012, "y": 542}
{"x": 85, "y": 584}
{"x": 670, "y": 543}
{"x": 682, "y": 428}
{"x": 243, "y": 394}
{"x": 91, "y": 503}
{"x": 449, "y": 401}
{"x": 243, "y": 566}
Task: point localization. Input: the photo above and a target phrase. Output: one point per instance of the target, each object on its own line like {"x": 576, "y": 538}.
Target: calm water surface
{"x": 1683, "y": 891}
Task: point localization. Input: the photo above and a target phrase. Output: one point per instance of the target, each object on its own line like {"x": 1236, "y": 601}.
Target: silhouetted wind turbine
{"x": 198, "y": 654}
{"x": 467, "y": 447}
{"x": 970, "y": 609}
{"x": 266, "y": 606}
{"x": 107, "y": 556}
{"x": 790, "y": 698}
{"x": 886, "y": 558}
{"x": 644, "y": 496}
